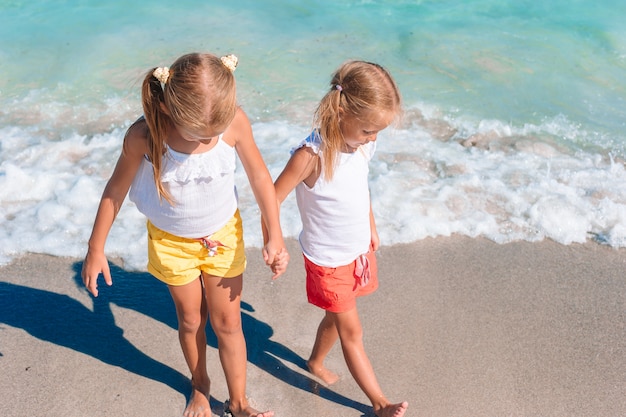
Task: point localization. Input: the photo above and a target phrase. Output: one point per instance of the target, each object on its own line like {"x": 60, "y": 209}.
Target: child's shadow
{"x": 143, "y": 293}
{"x": 64, "y": 321}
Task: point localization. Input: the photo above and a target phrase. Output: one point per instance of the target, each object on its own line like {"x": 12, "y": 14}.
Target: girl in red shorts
{"x": 329, "y": 171}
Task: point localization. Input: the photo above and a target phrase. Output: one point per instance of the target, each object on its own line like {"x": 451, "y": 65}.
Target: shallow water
{"x": 537, "y": 89}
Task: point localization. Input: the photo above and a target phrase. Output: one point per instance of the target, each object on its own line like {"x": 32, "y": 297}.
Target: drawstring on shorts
{"x": 211, "y": 245}
{"x": 362, "y": 270}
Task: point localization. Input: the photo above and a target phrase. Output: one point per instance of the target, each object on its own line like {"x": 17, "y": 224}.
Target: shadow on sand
{"x": 64, "y": 321}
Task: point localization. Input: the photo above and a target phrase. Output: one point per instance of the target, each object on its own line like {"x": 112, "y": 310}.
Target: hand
{"x": 276, "y": 260}
{"x": 94, "y": 264}
{"x": 279, "y": 265}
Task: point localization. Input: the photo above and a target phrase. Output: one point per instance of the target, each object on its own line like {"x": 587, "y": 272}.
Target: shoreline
{"x": 458, "y": 327}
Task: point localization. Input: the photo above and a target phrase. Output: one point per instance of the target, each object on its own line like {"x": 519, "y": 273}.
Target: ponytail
{"x": 356, "y": 87}
{"x": 327, "y": 120}
{"x": 152, "y": 98}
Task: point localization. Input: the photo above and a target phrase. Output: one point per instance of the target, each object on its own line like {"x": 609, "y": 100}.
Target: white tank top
{"x": 335, "y": 215}
{"x": 202, "y": 187}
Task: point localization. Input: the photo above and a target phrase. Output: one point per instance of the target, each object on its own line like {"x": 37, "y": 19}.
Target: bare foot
{"x": 393, "y": 410}
{"x": 198, "y": 405}
{"x": 247, "y": 411}
{"x": 323, "y": 373}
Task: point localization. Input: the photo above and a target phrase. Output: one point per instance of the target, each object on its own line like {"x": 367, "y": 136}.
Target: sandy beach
{"x": 459, "y": 327}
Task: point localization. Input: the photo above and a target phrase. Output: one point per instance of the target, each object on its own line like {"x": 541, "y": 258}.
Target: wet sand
{"x": 459, "y": 327}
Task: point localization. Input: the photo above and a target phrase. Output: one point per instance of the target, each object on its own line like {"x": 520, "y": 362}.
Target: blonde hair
{"x": 198, "y": 93}
{"x": 356, "y": 88}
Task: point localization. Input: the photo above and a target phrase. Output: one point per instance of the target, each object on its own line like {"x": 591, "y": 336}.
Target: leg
{"x": 191, "y": 311}
{"x": 351, "y": 335}
{"x": 223, "y": 300}
{"x": 324, "y": 341}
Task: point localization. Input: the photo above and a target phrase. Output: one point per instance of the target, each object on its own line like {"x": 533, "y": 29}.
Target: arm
{"x": 303, "y": 166}
{"x": 300, "y": 167}
{"x": 110, "y": 204}
{"x": 274, "y": 251}
{"x": 375, "y": 242}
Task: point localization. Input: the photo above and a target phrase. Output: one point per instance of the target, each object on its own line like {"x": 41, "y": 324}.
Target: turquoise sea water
{"x": 539, "y": 89}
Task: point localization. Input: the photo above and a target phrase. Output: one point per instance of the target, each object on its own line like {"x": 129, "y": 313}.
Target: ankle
{"x": 201, "y": 383}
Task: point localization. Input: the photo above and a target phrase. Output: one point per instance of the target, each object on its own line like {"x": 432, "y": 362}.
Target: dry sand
{"x": 459, "y": 327}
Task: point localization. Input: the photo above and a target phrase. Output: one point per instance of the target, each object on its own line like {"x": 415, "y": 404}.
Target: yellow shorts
{"x": 178, "y": 260}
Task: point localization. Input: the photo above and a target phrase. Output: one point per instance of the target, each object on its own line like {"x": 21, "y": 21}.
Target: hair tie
{"x": 230, "y": 62}
{"x": 339, "y": 87}
{"x": 162, "y": 74}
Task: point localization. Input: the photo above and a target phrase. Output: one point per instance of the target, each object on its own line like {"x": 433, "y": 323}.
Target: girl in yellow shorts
{"x": 178, "y": 161}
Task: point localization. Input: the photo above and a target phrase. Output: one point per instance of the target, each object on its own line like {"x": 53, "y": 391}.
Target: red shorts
{"x": 336, "y": 289}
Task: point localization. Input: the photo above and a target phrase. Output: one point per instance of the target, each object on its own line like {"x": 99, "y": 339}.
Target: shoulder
{"x": 304, "y": 154}
{"x": 304, "y": 165}
{"x": 239, "y": 129}
{"x": 136, "y": 138}
{"x": 313, "y": 143}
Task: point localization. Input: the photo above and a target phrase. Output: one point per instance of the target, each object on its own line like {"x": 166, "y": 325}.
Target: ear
{"x": 164, "y": 108}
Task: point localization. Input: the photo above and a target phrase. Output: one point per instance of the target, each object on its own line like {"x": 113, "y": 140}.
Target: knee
{"x": 350, "y": 334}
{"x": 351, "y": 337}
{"x": 226, "y": 325}
{"x": 190, "y": 322}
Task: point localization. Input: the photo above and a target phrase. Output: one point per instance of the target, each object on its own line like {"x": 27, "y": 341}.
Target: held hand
{"x": 276, "y": 260}
{"x": 279, "y": 266}
{"x": 93, "y": 265}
